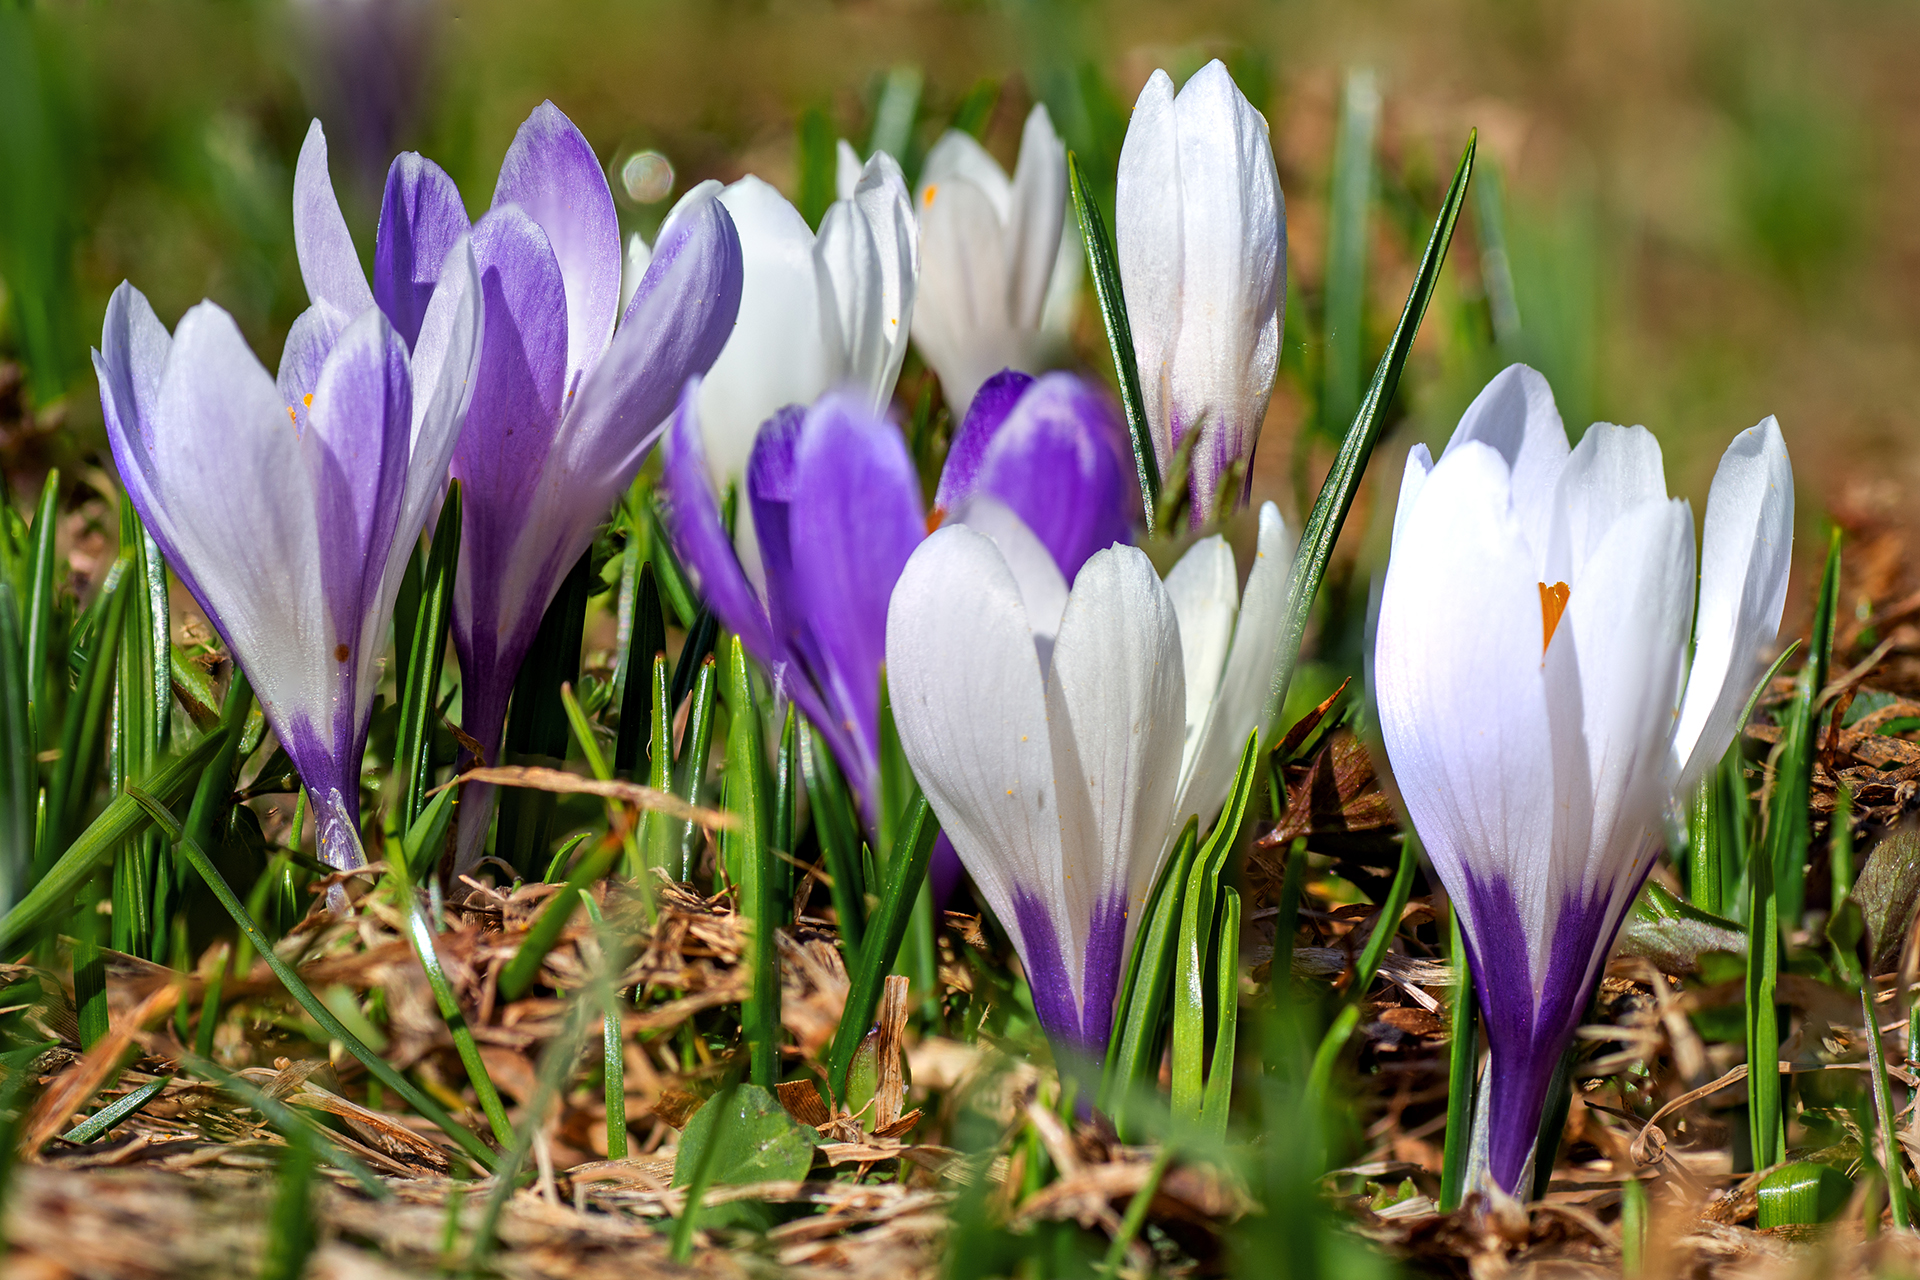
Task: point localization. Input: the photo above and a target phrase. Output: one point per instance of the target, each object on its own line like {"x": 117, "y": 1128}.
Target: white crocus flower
{"x": 1064, "y": 737}
{"x": 817, "y": 312}
{"x": 1201, "y": 233}
{"x": 989, "y": 246}
{"x": 1531, "y": 674}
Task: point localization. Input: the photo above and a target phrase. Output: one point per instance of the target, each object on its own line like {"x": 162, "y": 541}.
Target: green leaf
{"x": 102, "y": 1121}
{"x": 748, "y": 1138}
{"x": 894, "y": 115}
{"x": 1788, "y": 831}
{"x": 1329, "y": 513}
{"x": 1674, "y": 934}
{"x": 1387, "y": 923}
{"x": 905, "y": 877}
{"x": 657, "y": 830}
{"x": 1104, "y": 266}
{"x": 517, "y": 978}
{"x": 747, "y": 849}
{"x": 83, "y": 732}
{"x": 1462, "y": 1059}
{"x": 463, "y": 1137}
{"x": 420, "y": 686}
{"x": 1802, "y": 1194}
{"x": 817, "y": 163}
{"x": 690, "y": 770}
{"x": 1887, "y": 892}
{"x": 1226, "y": 1012}
{"x": 975, "y": 111}
{"x": 40, "y": 596}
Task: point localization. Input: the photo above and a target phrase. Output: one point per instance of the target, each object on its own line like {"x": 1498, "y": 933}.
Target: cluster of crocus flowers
{"x": 1536, "y": 700}
{"x": 990, "y": 250}
{"x": 835, "y": 503}
{"x": 1201, "y": 234}
{"x": 1064, "y": 729}
{"x": 289, "y": 506}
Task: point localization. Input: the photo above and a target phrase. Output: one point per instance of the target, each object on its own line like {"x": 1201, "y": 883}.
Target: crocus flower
{"x": 988, "y": 249}
{"x": 1201, "y": 234}
{"x": 834, "y": 497}
{"x": 1531, "y": 673}
{"x": 565, "y": 407}
{"x": 1064, "y": 736}
{"x": 289, "y": 508}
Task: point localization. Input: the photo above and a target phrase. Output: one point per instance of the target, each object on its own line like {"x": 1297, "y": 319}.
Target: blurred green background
{"x": 1693, "y": 214}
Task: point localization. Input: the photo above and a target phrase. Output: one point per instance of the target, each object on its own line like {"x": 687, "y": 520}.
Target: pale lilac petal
{"x": 1042, "y": 586}
{"x": 551, "y": 173}
{"x": 421, "y": 219}
{"x": 1035, "y": 217}
{"x": 328, "y": 263}
{"x": 1611, "y": 471}
{"x": 1204, "y": 586}
{"x": 680, "y": 318}
{"x": 309, "y": 343}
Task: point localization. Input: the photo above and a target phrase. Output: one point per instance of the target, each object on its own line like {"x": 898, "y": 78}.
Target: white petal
{"x": 1205, "y": 589}
{"x": 1042, "y": 588}
{"x": 1412, "y": 479}
{"x": 1038, "y": 203}
{"x": 1232, "y": 271}
{"x": 961, "y": 321}
{"x": 1626, "y": 621}
{"x": 846, "y": 170}
{"x": 1515, "y": 414}
{"x": 782, "y": 350}
{"x": 1744, "y": 560}
{"x": 869, "y": 246}
{"x": 1150, "y": 248}
{"x": 1239, "y": 707}
{"x": 1611, "y": 471}
{"x": 970, "y": 707}
{"x": 328, "y": 263}
{"x": 1115, "y": 707}
{"x": 1459, "y": 684}
{"x": 632, "y": 268}
{"x": 959, "y": 157}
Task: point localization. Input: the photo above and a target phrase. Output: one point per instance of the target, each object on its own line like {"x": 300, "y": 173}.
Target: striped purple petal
{"x": 421, "y": 219}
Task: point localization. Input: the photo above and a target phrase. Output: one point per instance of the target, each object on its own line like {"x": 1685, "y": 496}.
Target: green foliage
{"x": 1802, "y": 1194}
{"x": 536, "y": 731}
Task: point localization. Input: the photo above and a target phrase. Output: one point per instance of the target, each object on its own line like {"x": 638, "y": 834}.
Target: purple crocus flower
{"x": 836, "y": 506}
{"x": 565, "y": 406}
{"x": 289, "y": 507}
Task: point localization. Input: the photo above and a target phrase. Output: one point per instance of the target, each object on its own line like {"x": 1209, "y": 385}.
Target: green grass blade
{"x": 584, "y": 735}
{"x": 1219, "y": 1092}
{"x": 835, "y": 826}
{"x": 428, "y": 834}
{"x": 633, "y": 749}
{"x": 102, "y": 1121}
{"x": 1462, "y": 1059}
{"x": 83, "y": 732}
{"x": 1884, "y": 1113}
{"x": 1191, "y": 998}
{"x": 288, "y": 1120}
{"x": 691, "y": 768}
{"x": 613, "y": 1042}
{"x": 1762, "y": 1016}
{"x": 786, "y": 799}
{"x": 426, "y": 651}
{"x": 1320, "y": 1076}
{"x": 1134, "y": 1048}
{"x": 40, "y": 593}
{"x": 214, "y": 791}
{"x": 815, "y": 159}
{"x": 1347, "y": 244}
{"x": 1329, "y": 513}
{"x": 52, "y": 893}
{"x": 674, "y": 587}
{"x": 296, "y": 987}
{"x": 657, "y": 829}
{"x": 748, "y": 850}
{"x": 19, "y": 773}
{"x": 518, "y": 976}
{"x": 1136, "y": 1216}
{"x": 1789, "y": 832}
{"x": 895, "y": 113}
{"x": 905, "y": 876}
{"x": 1103, "y": 264}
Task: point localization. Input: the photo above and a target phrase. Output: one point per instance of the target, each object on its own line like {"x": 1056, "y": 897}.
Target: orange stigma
{"x": 926, "y": 197}
{"x": 1553, "y": 605}
{"x": 935, "y": 518}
